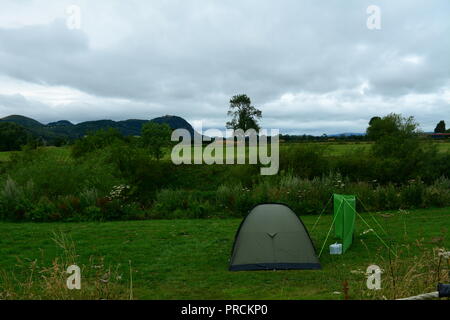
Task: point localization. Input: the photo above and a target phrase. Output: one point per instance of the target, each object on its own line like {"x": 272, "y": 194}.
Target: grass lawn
{"x": 188, "y": 259}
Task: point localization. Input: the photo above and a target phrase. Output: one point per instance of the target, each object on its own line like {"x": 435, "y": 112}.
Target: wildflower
{"x": 357, "y": 272}
{"x": 444, "y": 254}
{"x": 366, "y": 232}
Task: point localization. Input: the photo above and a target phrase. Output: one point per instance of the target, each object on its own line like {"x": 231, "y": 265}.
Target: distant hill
{"x": 23, "y": 121}
{"x": 33, "y": 127}
{"x": 175, "y": 123}
{"x": 60, "y": 123}
{"x": 64, "y": 129}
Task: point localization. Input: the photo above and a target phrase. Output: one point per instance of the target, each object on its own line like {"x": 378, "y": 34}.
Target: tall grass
{"x": 43, "y": 185}
{"x": 411, "y": 274}
{"x": 33, "y": 279}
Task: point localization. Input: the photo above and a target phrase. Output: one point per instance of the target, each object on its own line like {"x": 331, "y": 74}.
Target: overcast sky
{"x": 311, "y": 66}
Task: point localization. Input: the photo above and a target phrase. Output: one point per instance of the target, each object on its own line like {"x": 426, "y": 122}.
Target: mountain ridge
{"x": 64, "y": 129}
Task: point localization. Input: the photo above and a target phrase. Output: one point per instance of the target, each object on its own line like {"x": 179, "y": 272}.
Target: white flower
{"x": 366, "y": 231}
{"x": 444, "y": 254}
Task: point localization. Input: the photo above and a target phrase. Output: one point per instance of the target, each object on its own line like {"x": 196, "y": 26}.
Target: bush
{"x": 172, "y": 204}
{"x": 96, "y": 141}
{"x": 15, "y": 200}
{"x": 438, "y": 194}
{"x": 412, "y": 194}
{"x": 304, "y": 160}
{"x": 43, "y": 211}
{"x": 388, "y": 197}
{"x": 13, "y": 136}
{"x": 116, "y": 179}
{"x": 235, "y": 199}
{"x": 53, "y": 177}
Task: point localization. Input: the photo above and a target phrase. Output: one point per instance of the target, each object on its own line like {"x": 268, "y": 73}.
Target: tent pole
{"x": 317, "y": 220}
{"x": 328, "y": 234}
{"x": 382, "y": 241}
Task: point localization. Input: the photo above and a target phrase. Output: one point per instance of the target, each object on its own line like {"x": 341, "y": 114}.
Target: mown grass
{"x": 188, "y": 259}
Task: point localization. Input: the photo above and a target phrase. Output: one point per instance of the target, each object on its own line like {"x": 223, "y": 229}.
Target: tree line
{"x": 244, "y": 115}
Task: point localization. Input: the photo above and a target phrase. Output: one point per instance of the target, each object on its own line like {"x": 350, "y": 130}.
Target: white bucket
{"x": 336, "y": 248}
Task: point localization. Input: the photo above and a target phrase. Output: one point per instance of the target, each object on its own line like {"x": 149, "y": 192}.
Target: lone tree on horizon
{"x": 440, "y": 127}
{"x": 245, "y": 116}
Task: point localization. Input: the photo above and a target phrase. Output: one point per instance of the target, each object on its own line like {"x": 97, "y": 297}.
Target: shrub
{"x": 412, "y": 194}
{"x": 438, "y": 194}
{"x": 13, "y": 136}
{"x": 387, "y": 197}
{"x": 235, "y": 199}
{"x": 97, "y": 140}
{"x": 304, "y": 160}
{"x": 134, "y": 165}
{"x": 170, "y": 200}
{"x": 88, "y": 197}
{"x": 172, "y": 204}
{"x": 15, "y": 200}
{"x": 53, "y": 177}
{"x": 43, "y": 211}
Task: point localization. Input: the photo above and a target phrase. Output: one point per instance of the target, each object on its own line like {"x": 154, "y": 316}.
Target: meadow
{"x": 332, "y": 149}
{"x": 188, "y": 259}
{"x": 142, "y": 228}
{"x": 62, "y": 152}
{"x": 112, "y": 179}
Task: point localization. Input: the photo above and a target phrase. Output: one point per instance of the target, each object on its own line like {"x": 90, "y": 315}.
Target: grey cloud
{"x": 188, "y": 58}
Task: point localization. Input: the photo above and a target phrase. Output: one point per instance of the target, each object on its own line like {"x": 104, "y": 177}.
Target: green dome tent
{"x": 273, "y": 237}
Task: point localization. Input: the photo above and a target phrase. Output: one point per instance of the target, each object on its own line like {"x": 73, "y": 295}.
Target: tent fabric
{"x": 344, "y": 216}
{"x": 272, "y": 237}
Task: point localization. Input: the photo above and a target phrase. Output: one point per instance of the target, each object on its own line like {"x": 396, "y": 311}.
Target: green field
{"x": 62, "y": 152}
{"x": 4, "y": 156}
{"x": 334, "y": 149}
{"x": 188, "y": 259}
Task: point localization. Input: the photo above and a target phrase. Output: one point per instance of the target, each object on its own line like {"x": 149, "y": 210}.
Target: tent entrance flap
{"x": 344, "y": 216}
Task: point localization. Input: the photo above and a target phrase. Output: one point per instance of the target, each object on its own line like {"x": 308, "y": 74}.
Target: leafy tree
{"x": 13, "y": 136}
{"x": 373, "y": 120}
{"x": 96, "y": 140}
{"x": 60, "y": 141}
{"x": 440, "y": 127}
{"x": 392, "y": 126}
{"x": 245, "y": 116}
{"x": 397, "y": 152}
{"x": 394, "y": 136}
{"x": 156, "y": 136}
